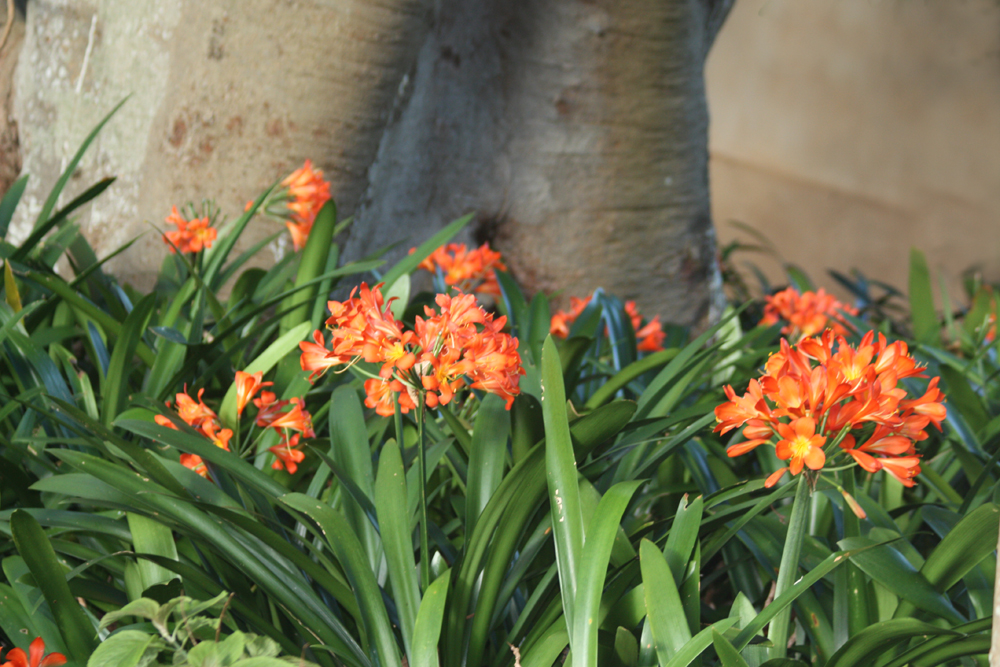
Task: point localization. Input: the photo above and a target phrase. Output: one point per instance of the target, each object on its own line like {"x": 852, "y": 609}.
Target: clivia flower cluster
{"x": 649, "y": 337}
{"x": 35, "y": 657}
{"x": 820, "y": 398}
{"x": 806, "y": 314}
{"x": 307, "y": 192}
{"x": 190, "y": 236}
{"x": 303, "y": 193}
{"x": 466, "y": 270}
{"x": 459, "y": 345}
{"x": 292, "y": 424}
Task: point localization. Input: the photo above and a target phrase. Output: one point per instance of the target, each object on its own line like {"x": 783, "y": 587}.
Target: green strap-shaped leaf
{"x": 397, "y": 540}
{"x": 697, "y": 644}
{"x": 350, "y": 450}
{"x": 31, "y": 542}
{"x": 311, "y": 266}
{"x": 926, "y": 328}
{"x": 427, "y": 630}
{"x": 152, "y": 537}
{"x": 338, "y": 534}
{"x": 115, "y": 385}
{"x": 607, "y": 390}
{"x": 728, "y": 655}
{"x": 561, "y": 472}
{"x": 593, "y": 570}
{"x": 890, "y": 568}
{"x": 683, "y": 535}
{"x": 663, "y": 603}
{"x": 879, "y": 639}
{"x": 487, "y": 456}
{"x": 9, "y": 203}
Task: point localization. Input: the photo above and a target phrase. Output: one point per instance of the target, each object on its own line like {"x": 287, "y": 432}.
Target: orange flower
{"x": 464, "y": 269}
{"x": 36, "y": 656}
{"x": 295, "y": 419}
{"x": 379, "y": 394}
{"x": 268, "y": 408}
{"x": 457, "y": 345}
{"x": 219, "y": 438}
{"x": 807, "y": 314}
{"x": 195, "y": 463}
{"x": 194, "y": 414}
{"x": 307, "y": 192}
{"x": 247, "y": 386}
{"x": 649, "y": 337}
{"x": 800, "y": 444}
{"x": 190, "y": 236}
{"x": 562, "y": 319}
{"x": 287, "y": 456}
{"x": 316, "y": 358}
{"x": 853, "y": 391}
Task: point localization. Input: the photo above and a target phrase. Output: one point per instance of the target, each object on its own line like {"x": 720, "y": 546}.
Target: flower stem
{"x": 425, "y": 550}
{"x": 787, "y": 571}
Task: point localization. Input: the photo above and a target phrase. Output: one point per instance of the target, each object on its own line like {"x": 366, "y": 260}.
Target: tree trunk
{"x": 577, "y": 131}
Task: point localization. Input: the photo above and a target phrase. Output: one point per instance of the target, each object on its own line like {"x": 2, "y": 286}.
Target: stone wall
{"x": 849, "y": 131}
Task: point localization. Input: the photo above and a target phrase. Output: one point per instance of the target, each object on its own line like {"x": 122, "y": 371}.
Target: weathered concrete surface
{"x": 848, "y": 132}
{"x": 10, "y": 153}
{"x": 227, "y": 96}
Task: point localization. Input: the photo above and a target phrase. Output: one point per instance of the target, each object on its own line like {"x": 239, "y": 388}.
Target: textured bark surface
{"x": 10, "y": 152}
{"x": 227, "y": 97}
{"x": 577, "y": 130}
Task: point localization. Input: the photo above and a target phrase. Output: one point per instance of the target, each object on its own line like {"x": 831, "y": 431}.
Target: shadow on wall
{"x": 847, "y": 132}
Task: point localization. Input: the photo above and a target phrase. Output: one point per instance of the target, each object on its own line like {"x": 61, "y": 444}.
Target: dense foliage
{"x": 231, "y": 470}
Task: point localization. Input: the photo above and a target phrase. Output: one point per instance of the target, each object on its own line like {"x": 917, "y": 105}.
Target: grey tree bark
{"x": 577, "y": 131}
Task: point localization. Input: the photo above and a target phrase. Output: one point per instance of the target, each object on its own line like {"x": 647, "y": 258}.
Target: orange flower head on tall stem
{"x": 806, "y": 314}
{"x": 190, "y": 236}
{"x": 307, "y": 192}
{"x": 824, "y": 390}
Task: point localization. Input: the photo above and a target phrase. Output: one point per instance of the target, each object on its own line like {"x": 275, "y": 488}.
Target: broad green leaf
{"x": 926, "y": 328}
{"x": 728, "y": 655}
{"x": 399, "y": 295}
{"x": 593, "y": 570}
{"x": 33, "y": 545}
{"x": 427, "y": 630}
{"x": 115, "y": 385}
{"x": 561, "y": 473}
{"x": 10, "y": 288}
{"x": 972, "y": 540}
{"x": 683, "y": 535}
{"x": 487, "y": 456}
{"x": 30, "y": 246}
{"x": 879, "y": 639}
{"x": 338, "y": 534}
{"x": 296, "y": 305}
{"x": 143, "y": 607}
{"x": 663, "y": 603}
{"x": 126, "y": 648}
{"x": 890, "y": 568}
{"x": 962, "y": 397}
{"x": 350, "y": 449}
{"x": 527, "y": 426}
{"x": 397, "y": 540}
{"x": 539, "y": 329}
{"x": 626, "y": 648}
{"x": 152, "y": 537}
{"x": 695, "y": 646}
{"x": 9, "y": 203}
